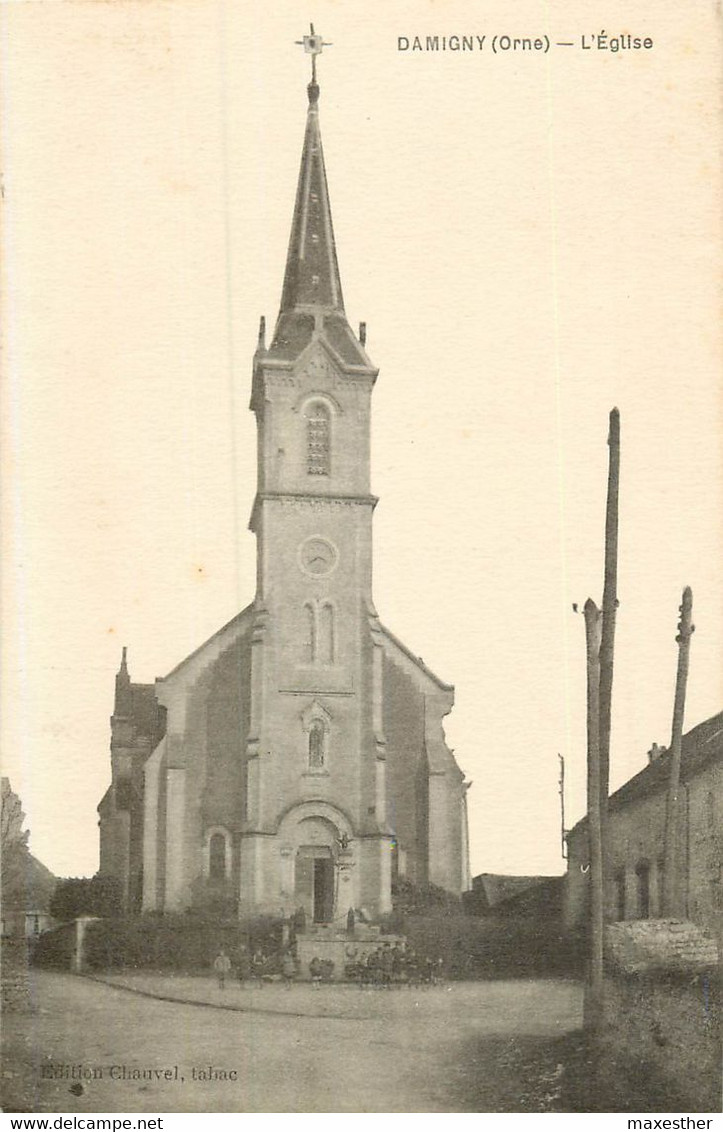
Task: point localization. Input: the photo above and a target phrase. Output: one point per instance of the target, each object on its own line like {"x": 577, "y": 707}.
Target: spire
{"x": 122, "y": 706}
{"x": 312, "y": 304}
{"x": 312, "y": 272}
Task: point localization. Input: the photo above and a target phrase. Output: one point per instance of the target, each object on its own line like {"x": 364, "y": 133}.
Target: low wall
{"x": 673, "y": 1028}
{"x": 14, "y": 980}
{"x": 663, "y": 1006}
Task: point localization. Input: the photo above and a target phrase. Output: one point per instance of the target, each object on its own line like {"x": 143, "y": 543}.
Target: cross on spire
{"x": 311, "y": 299}
{"x": 313, "y": 45}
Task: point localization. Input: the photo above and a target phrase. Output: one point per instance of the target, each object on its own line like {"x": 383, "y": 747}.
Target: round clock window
{"x": 317, "y": 557}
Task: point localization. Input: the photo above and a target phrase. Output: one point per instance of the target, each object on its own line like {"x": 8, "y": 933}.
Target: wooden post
{"x": 563, "y": 831}
{"x": 609, "y": 608}
{"x": 594, "y": 989}
{"x": 672, "y": 903}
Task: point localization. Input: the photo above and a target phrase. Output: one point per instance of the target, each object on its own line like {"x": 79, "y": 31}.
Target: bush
{"x": 54, "y": 949}
{"x": 214, "y": 900}
{"x": 492, "y": 947}
{"x": 86, "y": 896}
{"x": 414, "y": 900}
{"x": 176, "y": 943}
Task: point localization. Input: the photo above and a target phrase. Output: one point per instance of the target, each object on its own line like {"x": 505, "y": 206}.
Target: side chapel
{"x": 297, "y": 758}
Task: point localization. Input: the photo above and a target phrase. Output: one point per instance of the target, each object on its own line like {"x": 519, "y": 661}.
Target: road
{"x": 466, "y": 1047}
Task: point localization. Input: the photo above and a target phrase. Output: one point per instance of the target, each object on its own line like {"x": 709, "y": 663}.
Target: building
{"x": 28, "y": 913}
{"x": 495, "y": 894}
{"x": 27, "y": 885}
{"x": 297, "y": 758}
{"x": 633, "y": 884}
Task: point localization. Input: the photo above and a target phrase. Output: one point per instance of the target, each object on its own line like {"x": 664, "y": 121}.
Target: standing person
{"x": 412, "y": 965}
{"x": 387, "y": 965}
{"x": 299, "y": 918}
{"x": 258, "y": 964}
{"x": 244, "y": 965}
{"x": 288, "y": 967}
{"x": 439, "y": 970}
{"x": 398, "y": 966}
{"x": 222, "y": 966}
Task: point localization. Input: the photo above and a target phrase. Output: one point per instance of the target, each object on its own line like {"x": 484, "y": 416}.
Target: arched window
{"x": 217, "y": 857}
{"x": 309, "y": 633}
{"x": 318, "y": 644}
{"x": 318, "y": 440}
{"x": 316, "y": 745}
{"x": 325, "y": 651}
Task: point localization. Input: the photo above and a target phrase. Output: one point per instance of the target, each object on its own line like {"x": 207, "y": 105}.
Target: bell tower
{"x": 313, "y": 737}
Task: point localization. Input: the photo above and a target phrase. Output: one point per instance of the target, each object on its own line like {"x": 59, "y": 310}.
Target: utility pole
{"x": 672, "y": 903}
{"x": 609, "y": 608}
{"x": 561, "y": 789}
{"x": 594, "y": 989}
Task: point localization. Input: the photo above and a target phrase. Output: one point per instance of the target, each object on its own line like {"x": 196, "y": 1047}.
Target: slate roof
{"x": 312, "y": 271}
{"x": 700, "y": 746}
{"x": 311, "y": 299}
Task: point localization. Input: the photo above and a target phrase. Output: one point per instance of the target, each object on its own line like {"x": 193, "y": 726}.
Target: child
{"x": 222, "y": 966}
{"x": 315, "y": 970}
{"x": 288, "y": 968}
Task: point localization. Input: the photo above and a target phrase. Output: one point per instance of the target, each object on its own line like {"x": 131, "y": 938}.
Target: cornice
{"x": 308, "y": 499}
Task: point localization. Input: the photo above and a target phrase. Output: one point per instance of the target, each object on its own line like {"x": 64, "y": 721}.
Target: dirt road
{"x": 468, "y": 1047}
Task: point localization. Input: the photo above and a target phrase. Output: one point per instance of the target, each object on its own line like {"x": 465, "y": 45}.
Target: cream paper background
{"x": 532, "y": 239}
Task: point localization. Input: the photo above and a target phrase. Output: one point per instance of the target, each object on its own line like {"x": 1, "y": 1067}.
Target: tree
{"x": 14, "y": 845}
{"x": 86, "y": 896}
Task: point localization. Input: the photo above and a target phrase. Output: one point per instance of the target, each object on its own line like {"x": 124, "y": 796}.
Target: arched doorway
{"x": 317, "y": 862}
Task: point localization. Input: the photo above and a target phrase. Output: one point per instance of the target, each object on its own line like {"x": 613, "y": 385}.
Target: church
{"x": 297, "y": 759}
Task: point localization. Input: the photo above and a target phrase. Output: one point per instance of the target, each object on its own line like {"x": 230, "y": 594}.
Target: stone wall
{"x": 673, "y": 1027}
{"x": 663, "y": 1006}
{"x": 643, "y": 947}
{"x": 14, "y": 981}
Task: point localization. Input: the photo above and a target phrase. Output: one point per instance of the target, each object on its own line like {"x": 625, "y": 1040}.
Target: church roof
{"x": 416, "y": 661}
{"x": 197, "y": 652}
{"x": 311, "y": 298}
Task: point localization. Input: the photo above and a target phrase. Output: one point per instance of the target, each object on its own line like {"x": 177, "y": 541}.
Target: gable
{"x": 414, "y": 666}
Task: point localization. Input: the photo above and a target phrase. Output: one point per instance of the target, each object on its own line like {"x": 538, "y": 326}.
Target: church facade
{"x": 297, "y": 758}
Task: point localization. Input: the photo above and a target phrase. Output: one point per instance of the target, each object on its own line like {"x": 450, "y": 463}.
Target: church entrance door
{"x": 315, "y": 883}
{"x": 323, "y": 890}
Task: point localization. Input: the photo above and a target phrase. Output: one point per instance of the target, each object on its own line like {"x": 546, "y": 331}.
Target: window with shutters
{"x": 318, "y": 440}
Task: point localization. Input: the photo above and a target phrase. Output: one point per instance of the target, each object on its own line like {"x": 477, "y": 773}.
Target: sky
{"x": 531, "y": 237}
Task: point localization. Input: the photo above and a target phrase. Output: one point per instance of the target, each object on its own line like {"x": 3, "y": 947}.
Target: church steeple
{"x": 312, "y": 270}
{"x": 312, "y": 302}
